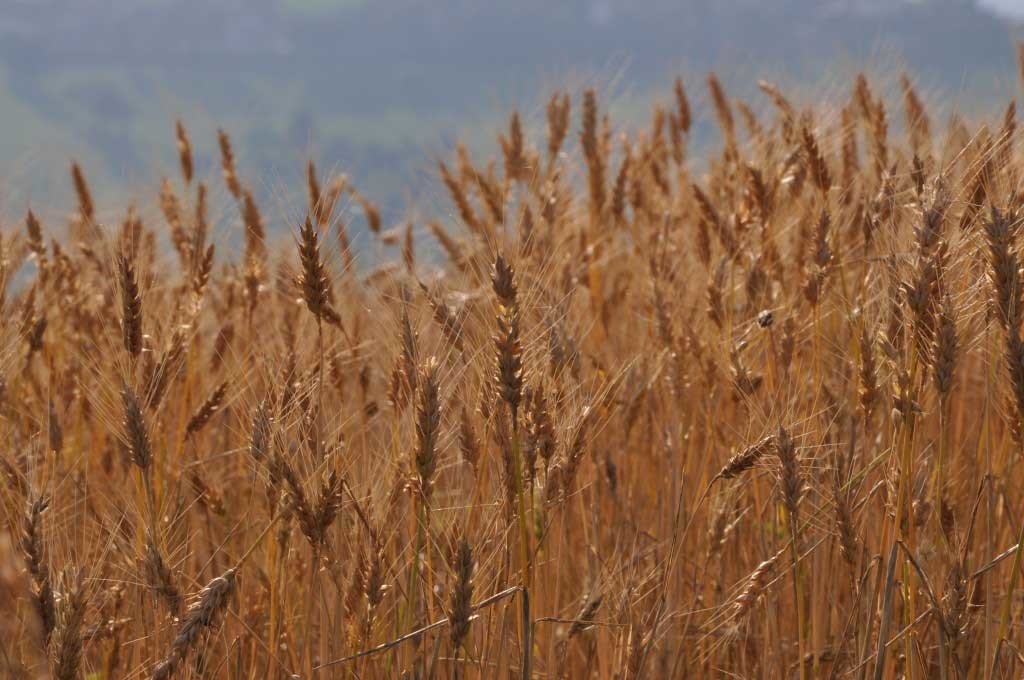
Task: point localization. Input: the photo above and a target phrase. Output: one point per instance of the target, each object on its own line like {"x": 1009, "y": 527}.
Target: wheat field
{"x": 616, "y": 412}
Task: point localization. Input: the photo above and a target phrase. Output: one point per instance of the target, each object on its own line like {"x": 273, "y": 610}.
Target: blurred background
{"x": 378, "y": 89}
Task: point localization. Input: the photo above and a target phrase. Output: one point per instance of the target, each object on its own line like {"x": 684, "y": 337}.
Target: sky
{"x": 1012, "y": 8}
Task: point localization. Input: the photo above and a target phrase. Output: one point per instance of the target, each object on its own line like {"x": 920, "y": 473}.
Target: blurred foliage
{"x": 377, "y": 89}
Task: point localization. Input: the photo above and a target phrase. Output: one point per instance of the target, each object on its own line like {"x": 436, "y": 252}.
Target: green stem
{"x": 524, "y": 534}
{"x": 797, "y": 594}
{"x": 1004, "y": 624}
{"x": 526, "y": 573}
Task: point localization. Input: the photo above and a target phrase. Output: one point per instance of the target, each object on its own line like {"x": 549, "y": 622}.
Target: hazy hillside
{"x": 376, "y": 88}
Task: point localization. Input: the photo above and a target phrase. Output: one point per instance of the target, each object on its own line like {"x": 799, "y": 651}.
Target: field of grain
{"x": 621, "y": 413}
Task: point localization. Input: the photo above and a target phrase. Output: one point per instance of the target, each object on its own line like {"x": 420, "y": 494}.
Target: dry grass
{"x": 761, "y": 419}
